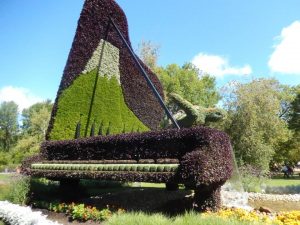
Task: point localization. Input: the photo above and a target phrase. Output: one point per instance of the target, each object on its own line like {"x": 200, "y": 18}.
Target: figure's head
{"x": 215, "y": 114}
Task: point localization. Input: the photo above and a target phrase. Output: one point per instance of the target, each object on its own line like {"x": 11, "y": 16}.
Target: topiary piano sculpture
{"x": 114, "y": 102}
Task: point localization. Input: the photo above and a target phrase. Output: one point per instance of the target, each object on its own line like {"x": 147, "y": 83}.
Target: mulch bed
{"x": 63, "y": 219}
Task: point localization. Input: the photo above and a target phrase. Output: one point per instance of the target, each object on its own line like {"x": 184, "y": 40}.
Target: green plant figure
{"x": 191, "y": 115}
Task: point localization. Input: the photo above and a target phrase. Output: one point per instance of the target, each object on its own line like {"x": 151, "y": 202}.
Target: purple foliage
{"x": 204, "y": 154}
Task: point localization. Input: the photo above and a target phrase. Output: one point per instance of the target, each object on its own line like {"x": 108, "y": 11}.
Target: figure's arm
{"x": 183, "y": 104}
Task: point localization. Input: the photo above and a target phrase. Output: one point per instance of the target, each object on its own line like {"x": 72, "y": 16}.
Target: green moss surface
{"x": 109, "y": 108}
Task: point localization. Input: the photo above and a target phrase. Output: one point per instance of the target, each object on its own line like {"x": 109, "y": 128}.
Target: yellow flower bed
{"x": 283, "y": 218}
{"x": 289, "y": 218}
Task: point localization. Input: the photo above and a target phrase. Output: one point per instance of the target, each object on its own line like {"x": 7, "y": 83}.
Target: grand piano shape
{"x": 103, "y": 91}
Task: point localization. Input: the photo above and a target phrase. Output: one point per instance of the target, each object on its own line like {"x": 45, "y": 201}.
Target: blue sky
{"x": 232, "y": 40}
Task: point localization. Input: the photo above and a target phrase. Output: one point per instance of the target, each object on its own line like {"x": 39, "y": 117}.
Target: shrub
{"x": 82, "y": 212}
{"x": 252, "y": 178}
{"x": 4, "y": 158}
{"x": 19, "y": 190}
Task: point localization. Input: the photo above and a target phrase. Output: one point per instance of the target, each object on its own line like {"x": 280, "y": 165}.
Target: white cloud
{"x": 218, "y": 66}
{"x": 286, "y": 55}
{"x": 22, "y": 96}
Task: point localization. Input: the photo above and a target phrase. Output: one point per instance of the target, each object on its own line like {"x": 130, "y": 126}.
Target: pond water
{"x": 276, "y": 206}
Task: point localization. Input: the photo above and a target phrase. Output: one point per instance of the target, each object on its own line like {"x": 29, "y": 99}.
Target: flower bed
{"x": 84, "y": 213}
{"x": 15, "y": 215}
{"x": 283, "y": 218}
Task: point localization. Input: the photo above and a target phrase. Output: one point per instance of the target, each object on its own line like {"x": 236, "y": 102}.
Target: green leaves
{"x": 254, "y": 123}
{"x": 186, "y": 81}
{"x": 8, "y": 124}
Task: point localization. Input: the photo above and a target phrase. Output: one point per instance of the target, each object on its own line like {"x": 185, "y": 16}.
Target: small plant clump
{"x": 81, "y": 212}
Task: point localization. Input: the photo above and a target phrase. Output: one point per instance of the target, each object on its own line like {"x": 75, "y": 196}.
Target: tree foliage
{"x": 34, "y": 124}
{"x": 187, "y": 82}
{"x": 294, "y": 121}
{"x": 289, "y": 151}
{"x": 149, "y": 52}
{"x": 254, "y": 122}
{"x": 8, "y": 124}
{"x": 35, "y": 118}
{"x": 19, "y": 143}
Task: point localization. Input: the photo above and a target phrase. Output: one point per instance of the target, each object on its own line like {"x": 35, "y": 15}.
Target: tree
{"x": 294, "y": 122}
{"x": 8, "y": 124}
{"x": 35, "y": 123}
{"x": 292, "y": 147}
{"x": 254, "y": 122}
{"x": 149, "y": 52}
{"x": 26, "y": 146}
{"x": 289, "y": 151}
{"x": 35, "y": 119}
{"x": 39, "y": 122}
{"x": 187, "y": 82}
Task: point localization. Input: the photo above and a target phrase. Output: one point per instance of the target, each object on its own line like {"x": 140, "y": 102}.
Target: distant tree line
{"x": 21, "y": 135}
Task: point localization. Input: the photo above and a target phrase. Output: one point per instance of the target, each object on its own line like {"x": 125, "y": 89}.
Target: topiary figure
{"x": 190, "y": 115}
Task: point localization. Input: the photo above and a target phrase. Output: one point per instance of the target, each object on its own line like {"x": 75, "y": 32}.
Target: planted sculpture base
{"x": 199, "y": 157}
{"x": 171, "y": 186}
{"x": 69, "y": 190}
{"x": 207, "y": 198}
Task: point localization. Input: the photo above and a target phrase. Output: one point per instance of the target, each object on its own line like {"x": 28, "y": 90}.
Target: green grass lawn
{"x": 191, "y": 218}
{"x": 281, "y": 182}
{"x": 4, "y": 186}
{"x": 5, "y": 177}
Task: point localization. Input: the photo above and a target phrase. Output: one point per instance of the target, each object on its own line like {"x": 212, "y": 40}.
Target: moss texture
{"x": 109, "y": 107}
